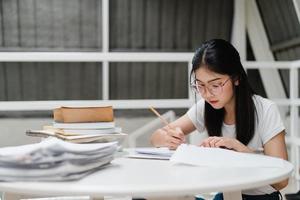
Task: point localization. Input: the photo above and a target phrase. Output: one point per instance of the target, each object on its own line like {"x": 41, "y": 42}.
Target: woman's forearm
{"x": 280, "y": 185}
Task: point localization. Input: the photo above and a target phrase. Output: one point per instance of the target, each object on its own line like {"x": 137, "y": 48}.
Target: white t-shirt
{"x": 268, "y": 125}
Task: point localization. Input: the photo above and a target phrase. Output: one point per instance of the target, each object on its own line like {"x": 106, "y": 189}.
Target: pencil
{"x": 158, "y": 115}
{"x": 164, "y": 121}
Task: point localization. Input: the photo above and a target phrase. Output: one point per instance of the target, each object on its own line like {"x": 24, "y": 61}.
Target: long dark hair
{"x": 221, "y": 57}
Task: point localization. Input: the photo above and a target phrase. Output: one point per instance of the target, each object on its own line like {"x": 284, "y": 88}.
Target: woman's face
{"x": 216, "y": 89}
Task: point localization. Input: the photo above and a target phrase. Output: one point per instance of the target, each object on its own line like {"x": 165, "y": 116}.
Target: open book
{"x": 78, "y": 138}
{"x": 69, "y": 132}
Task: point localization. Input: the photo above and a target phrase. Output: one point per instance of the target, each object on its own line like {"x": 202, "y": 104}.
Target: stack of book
{"x": 83, "y": 125}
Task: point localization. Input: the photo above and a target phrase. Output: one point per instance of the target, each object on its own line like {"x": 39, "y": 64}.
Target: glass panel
{"x": 50, "y": 81}
{"x": 50, "y": 25}
{"x": 285, "y": 117}
{"x": 167, "y": 25}
{"x": 256, "y": 82}
{"x": 148, "y": 80}
{"x": 286, "y": 24}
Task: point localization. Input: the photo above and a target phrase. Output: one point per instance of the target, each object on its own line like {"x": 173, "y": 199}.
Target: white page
{"x": 85, "y": 125}
{"x": 82, "y": 147}
{"x": 163, "y": 151}
{"x": 17, "y": 150}
{"x": 114, "y": 130}
{"x": 59, "y": 169}
{"x": 47, "y": 143}
{"x": 216, "y": 157}
{"x": 147, "y": 156}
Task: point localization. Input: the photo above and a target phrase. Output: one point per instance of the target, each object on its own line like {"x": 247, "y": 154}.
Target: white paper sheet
{"x": 216, "y": 157}
{"x": 24, "y": 149}
{"x": 162, "y": 153}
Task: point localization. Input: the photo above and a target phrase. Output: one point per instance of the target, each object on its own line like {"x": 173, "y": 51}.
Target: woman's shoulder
{"x": 197, "y": 108}
{"x": 262, "y": 104}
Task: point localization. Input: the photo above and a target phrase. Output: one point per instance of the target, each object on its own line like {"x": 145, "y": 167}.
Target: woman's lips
{"x": 214, "y": 102}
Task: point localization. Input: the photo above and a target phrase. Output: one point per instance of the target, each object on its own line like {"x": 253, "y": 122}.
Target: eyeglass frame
{"x": 195, "y": 88}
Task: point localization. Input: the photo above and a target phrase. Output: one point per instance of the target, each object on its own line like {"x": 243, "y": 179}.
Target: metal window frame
{"x": 101, "y": 57}
{"x": 294, "y": 100}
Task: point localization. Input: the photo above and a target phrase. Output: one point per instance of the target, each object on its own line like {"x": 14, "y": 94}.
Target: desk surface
{"x": 150, "y": 178}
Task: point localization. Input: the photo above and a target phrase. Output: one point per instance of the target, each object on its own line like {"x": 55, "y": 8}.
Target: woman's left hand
{"x": 223, "y": 142}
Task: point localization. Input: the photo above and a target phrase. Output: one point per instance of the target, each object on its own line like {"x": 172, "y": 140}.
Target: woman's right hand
{"x": 173, "y": 134}
{"x": 171, "y": 137}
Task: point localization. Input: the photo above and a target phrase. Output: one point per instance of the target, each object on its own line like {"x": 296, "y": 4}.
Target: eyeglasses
{"x": 213, "y": 88}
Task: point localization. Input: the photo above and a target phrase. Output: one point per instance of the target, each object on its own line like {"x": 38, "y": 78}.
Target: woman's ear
{"x": 236, "y": 81}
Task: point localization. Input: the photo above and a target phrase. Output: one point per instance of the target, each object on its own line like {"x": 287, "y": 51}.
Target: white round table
{"x": 153, "y": 178}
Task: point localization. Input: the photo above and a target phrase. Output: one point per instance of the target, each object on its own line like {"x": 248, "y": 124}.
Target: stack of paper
{"x": 53, "y": 160}
{"x": 82, "y": 125}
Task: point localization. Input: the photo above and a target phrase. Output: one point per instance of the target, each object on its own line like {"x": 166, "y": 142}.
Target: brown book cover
{"x": 83, "y": 114}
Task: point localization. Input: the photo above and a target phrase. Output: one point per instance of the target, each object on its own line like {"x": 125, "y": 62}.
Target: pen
{"x": 158, "y": 115}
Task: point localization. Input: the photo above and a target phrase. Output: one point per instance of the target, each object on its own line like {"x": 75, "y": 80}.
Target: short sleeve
{"x": 196, "y": 115}
{"x": 271, "y": 124}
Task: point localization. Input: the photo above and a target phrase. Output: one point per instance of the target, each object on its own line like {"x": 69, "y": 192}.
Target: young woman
{"x": 229, "y": 111}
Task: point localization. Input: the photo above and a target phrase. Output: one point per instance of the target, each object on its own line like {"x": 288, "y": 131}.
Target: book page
{"x": 217, "y": 157}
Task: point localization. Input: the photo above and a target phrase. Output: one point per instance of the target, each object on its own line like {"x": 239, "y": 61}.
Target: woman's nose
{"x": 206, "y": 93}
